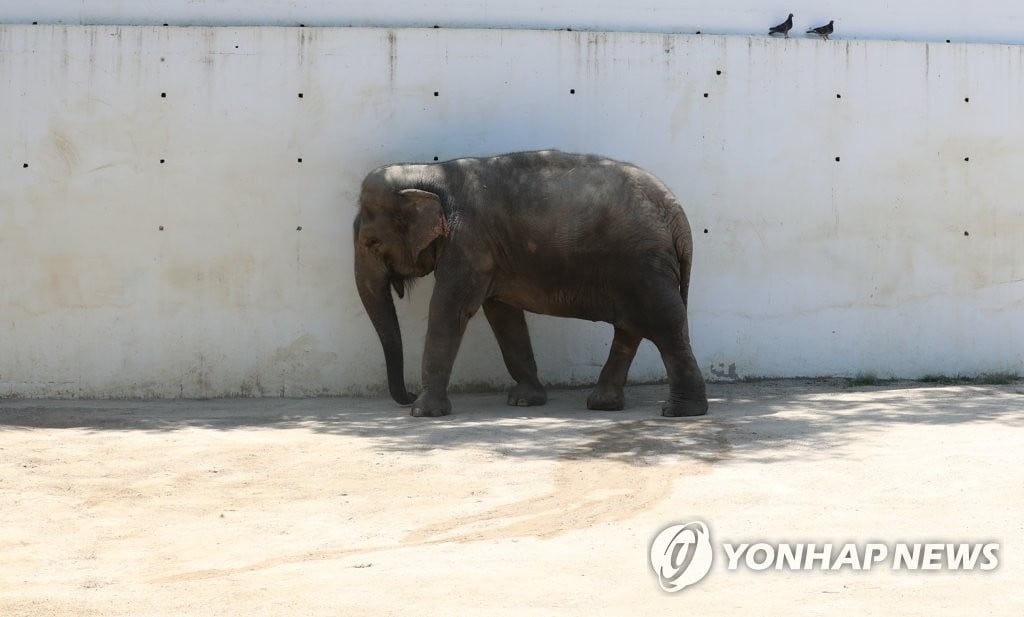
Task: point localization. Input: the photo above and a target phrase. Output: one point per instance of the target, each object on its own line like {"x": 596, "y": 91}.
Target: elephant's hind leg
{"x": 687, "y": 394}
{"x": 509, "y": 326}
{"x": 608, "y": 395}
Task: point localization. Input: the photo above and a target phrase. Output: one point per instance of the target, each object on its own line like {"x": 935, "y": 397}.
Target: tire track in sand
{"x": 619, "y": 472}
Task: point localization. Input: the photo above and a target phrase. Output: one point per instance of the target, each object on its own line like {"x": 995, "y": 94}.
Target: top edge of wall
{"x": 959, "y": 21}
{"x": 710, "y": 35}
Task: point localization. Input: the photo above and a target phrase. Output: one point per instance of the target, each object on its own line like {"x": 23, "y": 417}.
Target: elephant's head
{"x": 396, "y": 237}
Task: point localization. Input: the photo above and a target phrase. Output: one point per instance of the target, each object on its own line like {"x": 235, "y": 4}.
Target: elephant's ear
{"x": 425, "y": 218}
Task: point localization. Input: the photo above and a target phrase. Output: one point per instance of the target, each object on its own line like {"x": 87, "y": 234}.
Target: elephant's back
{"x": 574, "y": 202}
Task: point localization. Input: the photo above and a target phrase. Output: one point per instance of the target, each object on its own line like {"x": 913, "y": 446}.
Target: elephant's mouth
{"x": 397, "y": 279}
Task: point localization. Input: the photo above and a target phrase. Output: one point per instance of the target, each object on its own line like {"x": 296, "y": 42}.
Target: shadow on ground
{"x": 754, "y": 421}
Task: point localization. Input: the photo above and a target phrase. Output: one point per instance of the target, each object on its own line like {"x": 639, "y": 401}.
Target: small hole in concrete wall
{"x": 35, "y": 23}
{"x": 839, "y": 96}
{"x": 967, "y": 99}
{"x": 162, "y": 59}
{"x": 299, "y": 228}
{"x": 300, "y": 95}
{"x": 300, "y": 159}
{"x": 236, "y": 46}
{"x": 947, "y": 40}
{"x": 698, "y": 32}
{"x": 435, "y": 158}
{"x": 718, "y": 72}
{"x": 967, "y": 158}
{"x": 966, "y": 233}
{"x": 705, "y": 230}
{"x": 572, "y": 90}
{"x": 705, "y": 95}
{"x": 163, "y": 95}
{"x": 436, "y": 26}
{"x": 166, "y": 24}
{"x": 436, "y": 93}
{"x": 161, "y": 228}
{"x": 837, "y": 159}
{"x": 302, "y": 25}
{"x": 24, "y": 165}
{"x": 161, "y": 161}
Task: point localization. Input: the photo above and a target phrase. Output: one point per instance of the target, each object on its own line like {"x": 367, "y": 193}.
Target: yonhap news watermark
{"x": 682, "y": 555}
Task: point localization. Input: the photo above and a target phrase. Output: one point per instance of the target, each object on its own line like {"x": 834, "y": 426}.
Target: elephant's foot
{"x": 676, "y": 409}
{"x": 606, "y": 398}
{"x": 525, "y": 395}
{"x": 428, "y": 406}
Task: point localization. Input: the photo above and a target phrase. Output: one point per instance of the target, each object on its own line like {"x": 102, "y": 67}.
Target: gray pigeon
{"x": 782, "y": 28}
{"x": 822, "y": 31}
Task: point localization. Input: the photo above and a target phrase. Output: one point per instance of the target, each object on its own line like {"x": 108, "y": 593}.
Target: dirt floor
{"x": 351, "y": 507}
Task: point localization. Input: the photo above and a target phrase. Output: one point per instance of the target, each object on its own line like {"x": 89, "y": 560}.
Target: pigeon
{"x": 822, "y": 31}
{"x": 782, "y": 28}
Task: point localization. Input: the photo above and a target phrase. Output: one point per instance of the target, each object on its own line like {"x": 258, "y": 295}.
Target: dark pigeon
{"x": 782, "y": 28}
{"x": 822, "y": 31}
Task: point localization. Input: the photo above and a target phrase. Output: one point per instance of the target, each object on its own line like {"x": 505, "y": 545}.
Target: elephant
{"x": 549, "y": 232}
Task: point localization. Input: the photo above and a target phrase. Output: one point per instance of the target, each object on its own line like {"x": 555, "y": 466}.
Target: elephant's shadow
{"x": 748, "y": 422}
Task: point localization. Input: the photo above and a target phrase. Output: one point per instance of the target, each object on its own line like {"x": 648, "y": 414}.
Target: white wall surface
{"x": 900, "y": 259}
{"x": 980, "y": 21}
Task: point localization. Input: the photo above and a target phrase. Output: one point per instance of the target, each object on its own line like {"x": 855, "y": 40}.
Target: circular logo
{"x": 681, "y": 555}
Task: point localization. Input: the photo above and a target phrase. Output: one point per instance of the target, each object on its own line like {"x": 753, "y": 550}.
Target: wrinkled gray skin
{"x": 547, "y": 232}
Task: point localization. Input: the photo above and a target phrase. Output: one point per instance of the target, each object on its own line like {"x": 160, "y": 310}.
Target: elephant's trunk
{"x": 373, "y": 283}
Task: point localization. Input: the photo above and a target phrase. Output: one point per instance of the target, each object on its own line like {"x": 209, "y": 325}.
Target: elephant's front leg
{"x": 451, "y": 307}
{"x": 509, "y": 326}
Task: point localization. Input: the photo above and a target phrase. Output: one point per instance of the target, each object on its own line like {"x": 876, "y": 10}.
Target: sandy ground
{"x": 351, "y": 507}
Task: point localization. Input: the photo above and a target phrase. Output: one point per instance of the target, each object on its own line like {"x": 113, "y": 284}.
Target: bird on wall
{"x": 782, "y": 28}
{"x": 822, "y": 31}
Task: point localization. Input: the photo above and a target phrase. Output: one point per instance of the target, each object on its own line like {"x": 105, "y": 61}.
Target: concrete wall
{"x": 151, "y": 197}
{"x": 979, "y": 21}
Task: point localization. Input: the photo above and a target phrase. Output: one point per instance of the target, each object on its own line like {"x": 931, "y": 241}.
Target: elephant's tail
{"x": 684, "y": 252}
{"x": 684, "y": 280}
